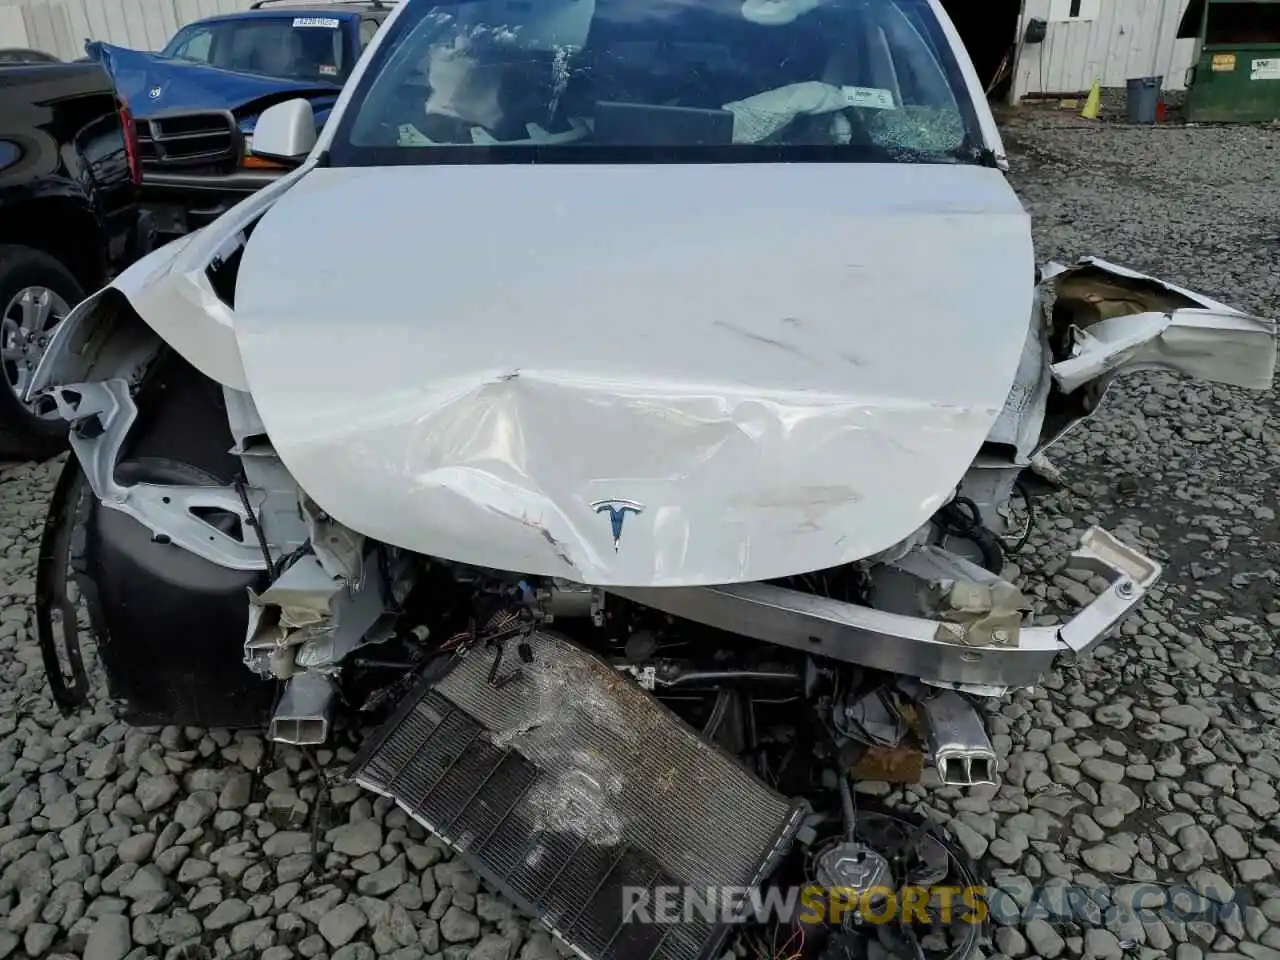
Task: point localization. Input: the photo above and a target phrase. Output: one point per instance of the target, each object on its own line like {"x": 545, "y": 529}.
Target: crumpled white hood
{"x": 780, "y": 368}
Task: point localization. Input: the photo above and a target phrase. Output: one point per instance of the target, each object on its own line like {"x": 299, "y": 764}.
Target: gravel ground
{"x": 1155, "y": 762}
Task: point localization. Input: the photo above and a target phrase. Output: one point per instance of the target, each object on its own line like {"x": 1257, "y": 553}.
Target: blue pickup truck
{"x": 195, "y": 103}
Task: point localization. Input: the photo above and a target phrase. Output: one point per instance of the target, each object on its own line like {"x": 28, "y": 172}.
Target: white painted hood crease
{"x": 784, "y": 368}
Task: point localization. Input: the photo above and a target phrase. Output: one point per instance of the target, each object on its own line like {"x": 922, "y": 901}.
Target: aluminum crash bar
{"x": 933, "y": 650}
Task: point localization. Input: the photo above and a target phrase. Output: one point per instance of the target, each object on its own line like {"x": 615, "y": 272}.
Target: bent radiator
{"x": 562, "y": 784}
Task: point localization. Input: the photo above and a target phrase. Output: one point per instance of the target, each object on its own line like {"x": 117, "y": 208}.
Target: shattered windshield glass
{"x": 849, "y": 79}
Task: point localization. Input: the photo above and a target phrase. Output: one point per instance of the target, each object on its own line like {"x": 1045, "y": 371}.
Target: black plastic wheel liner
{"x": 562, "y": 783}
{"x": 170, "y": 626}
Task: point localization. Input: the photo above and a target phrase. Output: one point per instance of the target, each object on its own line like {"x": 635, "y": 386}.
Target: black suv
{"x": 69, "y": 221}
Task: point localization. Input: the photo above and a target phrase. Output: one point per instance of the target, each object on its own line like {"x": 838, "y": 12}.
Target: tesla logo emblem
{"x": 617, "y": 510}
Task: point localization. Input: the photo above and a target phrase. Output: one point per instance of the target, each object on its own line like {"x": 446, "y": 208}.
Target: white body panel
{"x": 787, "y": 366}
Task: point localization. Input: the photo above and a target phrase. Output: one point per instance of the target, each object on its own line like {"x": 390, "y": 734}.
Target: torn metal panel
{"x": 102, "y": 338}
{"x": 310, "y": 620}
{"x": 1127, "y": 277}
{"x": 762, "y": 428}
{"x": 1120, "y": 320}
{"x": 1223, "y": 347}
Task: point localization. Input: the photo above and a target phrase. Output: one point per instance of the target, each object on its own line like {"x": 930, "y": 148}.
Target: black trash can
{"x": 1144, "y": 99}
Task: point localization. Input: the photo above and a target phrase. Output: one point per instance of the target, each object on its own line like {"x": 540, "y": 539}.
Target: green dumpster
{"x": 1237, "y": 75}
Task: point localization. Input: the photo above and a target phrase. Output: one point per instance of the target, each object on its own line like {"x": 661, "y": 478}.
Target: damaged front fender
{"x": 1111, "y": 320}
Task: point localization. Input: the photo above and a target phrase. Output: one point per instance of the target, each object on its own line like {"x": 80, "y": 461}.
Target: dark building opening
{"x": 989, "y": 31}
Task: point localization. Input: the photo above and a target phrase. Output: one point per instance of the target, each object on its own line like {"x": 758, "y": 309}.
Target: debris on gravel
{"x": 1147, "y": 772}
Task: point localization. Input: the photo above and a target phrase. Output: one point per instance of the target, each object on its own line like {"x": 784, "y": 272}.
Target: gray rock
{"x": 311, "y": 946}
{"x": 340, "y": 925}
{"x": 244, "y": 935}
{"x": 27, "y": 910}
{"x": 205, "y": 897}
{"x": 39, "y": 938}
{"x": 1102, "y": 944}
{"x": 1086, "y": 828}
{"x": 457, "y": 925}
{"x": 1113, "y": 715}
{"x": 491, "y": 947}
{"x": 1211, "y": 886}
{"x": 228, "y": 913}
{"x": 356, "y": 839}
{"x": 1253, "y": 871}
{"x": 1008, "y": 941}
{"x": 293, "y": 867}
{"x": 286, "y": 842}
{"x": 540, "y": 947}
{"x": 1192, "y": 719}
{"x": 381, "y": 882}
{"x": 196, "y": 809}
{"x": 455, "y": 874}
{"x": 1107, "y": 858}
{"x": 422, "y": 855}
{"x": 1044, "y": 940}
{"x": 1106, "y": 771}
{"x": 252, "y": 750}
{"x": 137, "y": 848}
{"x": 193, "y": 871}
{"x": 1230, "y": 842}
{"x": 104, "y": 764}
{"x": 236, "y": 792}
{"x": 178, "y": 927}
{"x": 1119, "y": 797}
{"x": 974, "y": 843}
{"x": 109, "y": 938}
{"x": 62, "y": 812}
{"x": 493, "y": 909}
{"x": 153, "y": 793}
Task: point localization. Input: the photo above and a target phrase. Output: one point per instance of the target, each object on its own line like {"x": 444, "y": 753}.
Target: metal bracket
{"x": 1131, "y": 575}
{"x": 101, "y": 415}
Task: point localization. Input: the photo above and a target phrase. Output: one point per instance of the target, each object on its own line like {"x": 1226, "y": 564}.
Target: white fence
{"x": 61, "y": 27}
{"x": 1109, "y": 42}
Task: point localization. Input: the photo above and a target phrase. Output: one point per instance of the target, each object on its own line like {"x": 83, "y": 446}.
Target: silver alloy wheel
{"x": 26, "y": 325}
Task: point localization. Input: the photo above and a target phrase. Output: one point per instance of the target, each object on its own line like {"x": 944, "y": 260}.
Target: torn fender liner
{"x": 562, "y": 783}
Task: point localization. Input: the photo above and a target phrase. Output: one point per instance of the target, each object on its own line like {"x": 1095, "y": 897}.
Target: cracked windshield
{"x": 874, "y": 77}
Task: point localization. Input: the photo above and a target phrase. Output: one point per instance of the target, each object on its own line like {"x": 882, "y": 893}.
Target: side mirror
{"x": 285, "y": 132}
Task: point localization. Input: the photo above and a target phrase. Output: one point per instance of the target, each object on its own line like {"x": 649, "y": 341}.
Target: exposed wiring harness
{"x": 962, "y": 518}
{"x": 1031, "y": 517}
{"x": 251, "y": 515}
